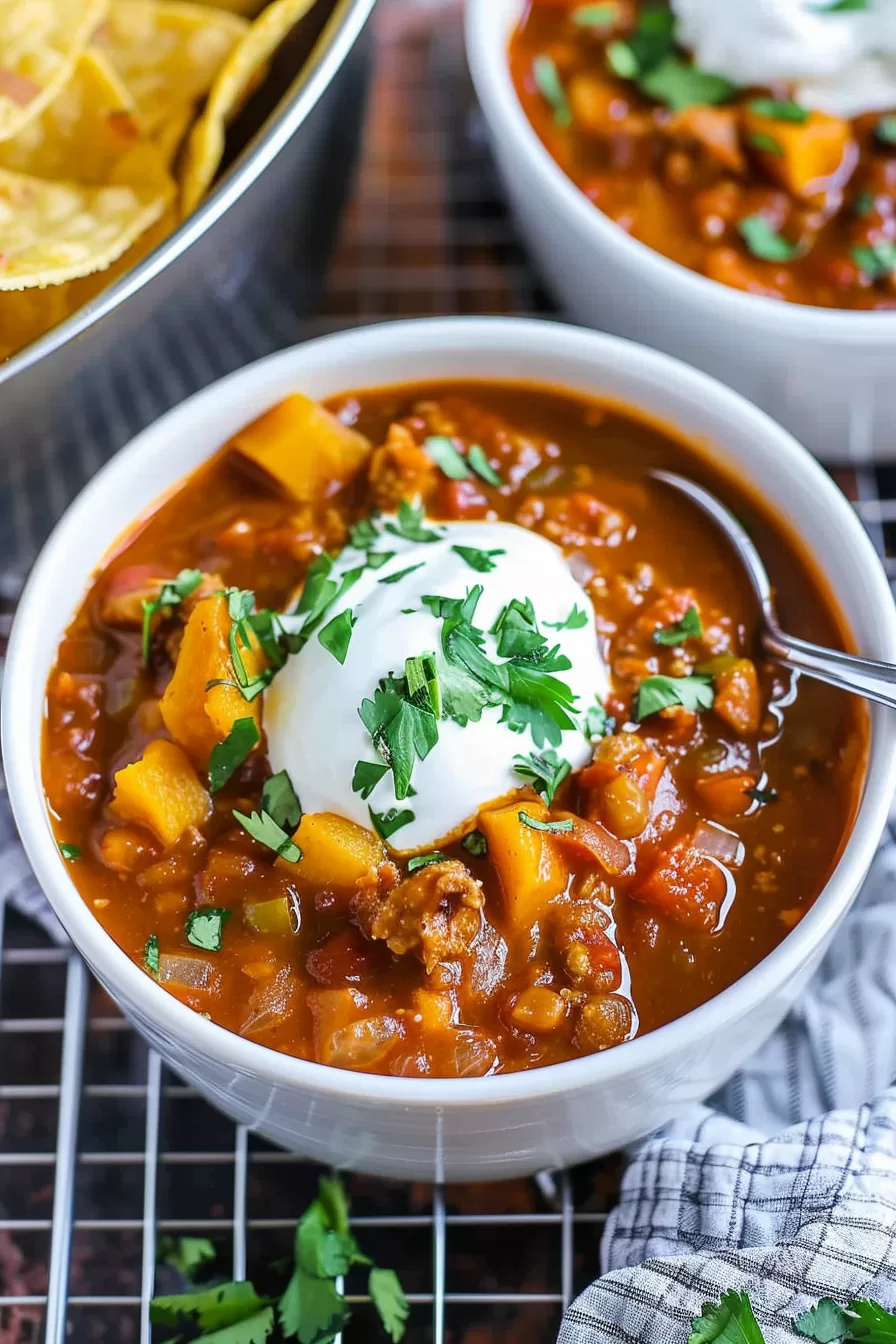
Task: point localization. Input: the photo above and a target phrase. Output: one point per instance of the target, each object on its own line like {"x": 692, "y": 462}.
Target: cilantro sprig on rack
{"x": 312, "y": 1308}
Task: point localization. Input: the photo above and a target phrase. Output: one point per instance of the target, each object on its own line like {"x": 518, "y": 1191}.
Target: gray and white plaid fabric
{"x": 786, "y": 1187}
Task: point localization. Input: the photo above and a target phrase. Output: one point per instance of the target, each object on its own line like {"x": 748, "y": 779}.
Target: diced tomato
{"x": 686, "y": 886}
{"x": 462, "y": 499}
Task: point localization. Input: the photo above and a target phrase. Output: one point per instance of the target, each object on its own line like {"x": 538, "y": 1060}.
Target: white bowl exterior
{"x": 470, "y": 1128}
{"x": 829, "y": 377}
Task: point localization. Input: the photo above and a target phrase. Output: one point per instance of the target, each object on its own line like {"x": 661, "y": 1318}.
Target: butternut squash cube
{"x": 195, "y": 715}
{"x": 529, "y": 868}
{"x": 808, "y": 154}
{"x": 335, "y": 852}
{"x": 162, "y": 792}
{"x": 306, "y": 450}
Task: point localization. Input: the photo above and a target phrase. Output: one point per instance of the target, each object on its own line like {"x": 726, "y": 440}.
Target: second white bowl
{"x": 829, "y": 376}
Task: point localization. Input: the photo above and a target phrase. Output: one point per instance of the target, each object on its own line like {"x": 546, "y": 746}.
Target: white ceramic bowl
{"x": 468, "y": 1128}
{"x": 829, "y": 376}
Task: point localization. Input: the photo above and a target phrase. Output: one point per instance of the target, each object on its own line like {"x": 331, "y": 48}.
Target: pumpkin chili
{"x": 745, "y": 186}
{"x": 653, "y": 844}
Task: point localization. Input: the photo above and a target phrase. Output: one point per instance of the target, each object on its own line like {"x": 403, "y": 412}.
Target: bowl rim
{"x": 327, "y": 56}
{"x": 24, "y": 695}
{"x": 486, "y": 39}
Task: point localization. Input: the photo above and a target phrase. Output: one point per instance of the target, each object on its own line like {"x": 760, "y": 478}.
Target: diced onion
{"x": 363, "y": 1044}
{"x": 713, "y": 842}
{"x": 475, "y": 1054}
{"x": 191, "y": 972}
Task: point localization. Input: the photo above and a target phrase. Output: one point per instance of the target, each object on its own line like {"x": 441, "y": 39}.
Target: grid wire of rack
{"x": 101, "y": 1149}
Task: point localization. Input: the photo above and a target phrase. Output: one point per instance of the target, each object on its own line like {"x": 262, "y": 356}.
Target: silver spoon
{"x": 862, "y": 676}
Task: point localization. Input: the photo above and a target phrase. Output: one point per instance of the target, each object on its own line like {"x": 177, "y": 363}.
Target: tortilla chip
{"x": 51, "y": 232}
{"x": 247, "y": 7}
{"x": 84, "y": 132}
{"x": 235, "y": 80}
{"x": 40, "y": 40}
{"x": 168, "y": 53}
{"x": 170, "y": 135}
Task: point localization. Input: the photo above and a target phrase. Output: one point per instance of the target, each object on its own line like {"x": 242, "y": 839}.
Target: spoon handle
{"x": 862, "y": 676}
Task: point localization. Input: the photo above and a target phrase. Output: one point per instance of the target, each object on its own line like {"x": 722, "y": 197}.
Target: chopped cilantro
{"x": 778, "y": 109}
{"x": 689, "y": 627}
{"x": 863, "y": 204}
{"x": 599, "y": 15}
{"x": 363, "y": 534}
{"x": 597, "y": 722}
{"x": 545, "y": 771}
{"x": 885, "y": 131}
{"x": 446, "y": 457}
{"x": 767, "y": 143}
{"x": 280, "y": 801}
{"x": 69, "y": 852}
{"x": 172, "y": 594}
{"x": 878, "y": 260}
{"x": 656, "y": 693}
{"x": 679, "y": 84}
{"x": 555, "y": 827}
{"x": 649, "y": 58}
{"x": 151, "y": 954}
{"x": 265, "y": 830}
{"x": 409, "y": 524}
{"x": 425, "y": 860}
{"x": 550, "y": 86}
{"x": 762, "y": 796}
{"x": 839, "y": 6}
{"x": 622, "y": 60}
{"x": 376, "y": 559}
{"x": 402, "y": 574}
{"x": 366, "y": 777}
{"x": 517, "y": 630}
{"x": 730, "y": 1321}
{"x": 205, "y": 928}
{"x": 336, "y": 634}
{"x": 388, "y": 822}
{"x": 477, "y": 459}
{"x": 483, "y": 561}
{"x": 422, "y": 679}
{"x": 476, "y": 844}
{"x": 227, "y": 756}
{"x": 403, "y": 729}
{"x": 185, "y": 1254}
{"x": 763, "y": 242}
{"x": 574, "y": 621}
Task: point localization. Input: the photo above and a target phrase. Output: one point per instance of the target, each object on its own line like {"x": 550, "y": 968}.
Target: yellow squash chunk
{"x": 335, "y": 852}
{"x": 529, "y": 868}
{"x": 808, "y": 154}
{"x": 307, "y": 451}
{"x": 162, "y": 792}
{"x": 196, "y": 716}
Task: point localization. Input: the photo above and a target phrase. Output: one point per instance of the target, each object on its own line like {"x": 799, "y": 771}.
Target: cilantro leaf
{"x": 422, "y": 680}
{"x": 387, "y": 823}
{"x": 602, "y": 14}
{"x": 863, "y": 204}
{"x": 870, "y": 1322}
{"x": 480, "y": 560}
{"x": 656, "y": 693}
{"x": 213, "y": 1308}
{"x": 477, "y": 459}
{"x": 402, "y": 732}
{"x": 205, "y": 928}
{"x": 555, "y": 827}
{"x": 425, "y": 860}
{"x": 446, "y": 457}
{"x": 185, "y": 1254}
{"x": 172, "y": 594}
{"x": 366, "y": 777}
{"x": 252, "y": 1329}
{"x": 331, "y": 1193}
{"x": 409, "y": 524}
{"x": 762, "y": 796}
{"x": 876, "y": 261}
{"x": 151, "y": 955}
{"x": 476, "y": 844}
{"x": 227, "y": 756}
{"x": 539, "y": 702}
{"x": 825, "y": 1323}
{"x": 265, "y": 830}
{"x": 885, "y": 131}
{"x": 576, "y": 620}
{"x": 390, "y": 1302}
{"x": 767, "y": 143}
{"x": 549, "y": 84}
{"x": 597, "y": 722}
{"x": 336, "y": 634}
{"x": 280, "y": 801}
{"x": 763, "y": 242}
{"x": 402, "y": 574}
{"x": 777, "y": 109}
{"x": 689, "y": 627}
{"x": 517, "y": 630}
{"x": 730, "y": 1321}
{"x": 546, "y": 772}
{"x": 622, "y": 60}
{"x": 69, "y": 852}
{"x": 363, "y": 534}
{"x": 679, "y": 84}
{"x": 840, "y": 6}
{"x": 376, "y": 559}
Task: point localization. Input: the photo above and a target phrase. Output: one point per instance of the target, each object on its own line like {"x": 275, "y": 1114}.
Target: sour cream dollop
{"x": 313, "y": 726}
{"x": 841, "y": 62}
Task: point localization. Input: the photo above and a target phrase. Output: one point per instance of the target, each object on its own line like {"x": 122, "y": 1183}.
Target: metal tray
{"x": 264, "y": 228}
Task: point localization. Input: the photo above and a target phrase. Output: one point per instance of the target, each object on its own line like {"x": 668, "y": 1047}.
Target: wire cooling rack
{"x": 101, "y": 1149}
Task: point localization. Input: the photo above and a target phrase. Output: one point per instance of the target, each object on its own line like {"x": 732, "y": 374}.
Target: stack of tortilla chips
{"x": 113, "y": 116}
